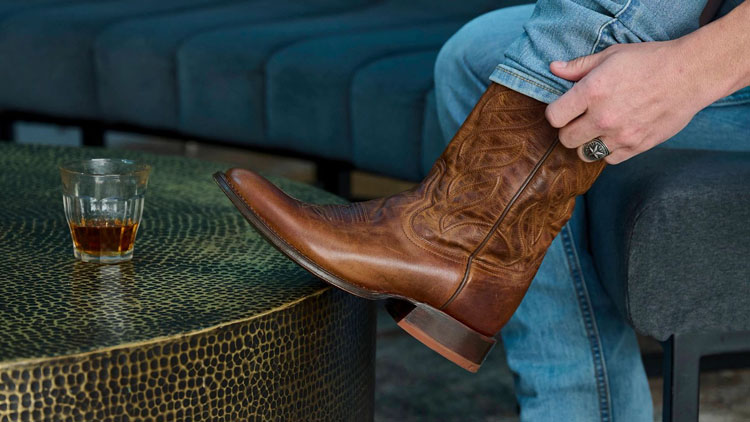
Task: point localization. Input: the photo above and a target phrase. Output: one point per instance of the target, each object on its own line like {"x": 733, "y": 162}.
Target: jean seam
{"x": 604, "y": 26}
{"x": 592, "y": 330}
{"x": 732, "y": 100}
{"x": 525, "y": 79}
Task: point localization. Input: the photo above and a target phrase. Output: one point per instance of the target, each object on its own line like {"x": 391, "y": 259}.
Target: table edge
{"x": 11, "y": 364}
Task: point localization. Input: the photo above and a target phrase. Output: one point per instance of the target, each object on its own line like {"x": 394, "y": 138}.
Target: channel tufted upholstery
{"x": 331, "y": 70}
{"x": 313, "y": 77}
{"x": 46, "y": 48}
{"x": 137, "y": 60}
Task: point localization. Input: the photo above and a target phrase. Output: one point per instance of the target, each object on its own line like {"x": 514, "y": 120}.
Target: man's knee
{"x": 455, "y": 56}
{"x": 480, "y": 45}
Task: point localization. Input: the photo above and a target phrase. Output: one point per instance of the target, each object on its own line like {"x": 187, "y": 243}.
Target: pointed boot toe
{"x": 359, "y": 247}
{"x": 456, "y": 253}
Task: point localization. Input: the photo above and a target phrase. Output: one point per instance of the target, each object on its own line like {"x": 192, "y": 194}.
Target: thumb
{"x": 576, "y": 69}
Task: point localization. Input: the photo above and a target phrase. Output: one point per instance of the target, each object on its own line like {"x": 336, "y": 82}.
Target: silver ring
{"x": 595, "y": 149}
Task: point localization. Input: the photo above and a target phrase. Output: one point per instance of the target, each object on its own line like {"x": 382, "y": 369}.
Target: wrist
{"x": 715, "y": 56}
{"x": 735, "y": 40}
{"x": 697, "y": 75}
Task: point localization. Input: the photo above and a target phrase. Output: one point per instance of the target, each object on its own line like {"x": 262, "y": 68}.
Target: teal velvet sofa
{"x": 347, "y": 83}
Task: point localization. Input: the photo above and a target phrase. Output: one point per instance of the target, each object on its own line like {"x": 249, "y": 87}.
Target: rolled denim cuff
{"x": 523, "y": 82}
{"x": 567, "y": 29}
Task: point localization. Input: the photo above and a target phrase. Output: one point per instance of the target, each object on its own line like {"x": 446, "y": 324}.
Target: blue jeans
{"x": 573, "y": 356}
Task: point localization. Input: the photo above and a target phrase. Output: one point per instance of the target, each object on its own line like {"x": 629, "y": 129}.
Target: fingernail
{"x": 559, "y": 64}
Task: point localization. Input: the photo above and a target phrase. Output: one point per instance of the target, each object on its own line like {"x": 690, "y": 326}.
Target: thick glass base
{"x": 103, "y": 259}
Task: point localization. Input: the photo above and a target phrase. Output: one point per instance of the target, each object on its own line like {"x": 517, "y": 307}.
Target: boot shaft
{"x": 519, "y": 204}
{"x": 497, "y": 146}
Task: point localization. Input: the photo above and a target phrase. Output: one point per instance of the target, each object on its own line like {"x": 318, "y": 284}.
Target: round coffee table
{"x": 207, "y": 322}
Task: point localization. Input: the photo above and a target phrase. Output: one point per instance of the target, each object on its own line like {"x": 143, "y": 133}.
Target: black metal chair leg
{"x": 681, "y": 379}
{"x": 7, "y": 133}
{"x": 92, "y": 135}
{"x": 682, "y": 355}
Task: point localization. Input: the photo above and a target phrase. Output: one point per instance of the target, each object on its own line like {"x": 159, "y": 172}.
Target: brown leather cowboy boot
{"x": 459, "y": 250}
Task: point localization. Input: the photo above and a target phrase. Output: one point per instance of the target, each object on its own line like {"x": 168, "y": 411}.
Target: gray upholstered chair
{"x": 670, "y": 236}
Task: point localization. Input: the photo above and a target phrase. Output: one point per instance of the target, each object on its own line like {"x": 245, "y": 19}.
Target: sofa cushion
{"x": 309, "y": 105}
{"x": 670, "y": 239}
{"x": 223, "y": 73}
{"x": 137, "y": 59}
{"x": 47, "y": 61}
{"x": 8, "y": 7}
{"x": 338, "y": 79}
{"x": 388, "y": 106}
{"x": 433, "y": 140}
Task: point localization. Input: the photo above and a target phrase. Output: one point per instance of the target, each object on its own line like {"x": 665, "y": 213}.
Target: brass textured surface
{"x": 208, "y": 322}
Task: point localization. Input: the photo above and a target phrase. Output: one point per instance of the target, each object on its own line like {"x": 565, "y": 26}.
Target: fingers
{"x": 579, "y": 113}
{"x": 624, "y": 152}
{"x": 618, "y": 157}
{"x": 576, "y": 69}
{"x": 566, "y": 108}
{"x": 574, "y": 102}
{"x": 578, "y": 132}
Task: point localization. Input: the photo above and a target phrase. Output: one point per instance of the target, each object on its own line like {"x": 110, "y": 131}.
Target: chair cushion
{"x": 670, "y": 239}
{"x": 47, "y": 61}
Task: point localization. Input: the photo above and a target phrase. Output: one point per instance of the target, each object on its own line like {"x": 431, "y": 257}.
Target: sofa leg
{"x": 92, "y": 135}
{"x": 335, "y": 177}
{"x": 681, "y": 379}
{"x": 7, "y": 133}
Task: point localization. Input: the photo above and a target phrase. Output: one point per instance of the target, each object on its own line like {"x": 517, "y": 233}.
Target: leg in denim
{"x": 574, "y": 358}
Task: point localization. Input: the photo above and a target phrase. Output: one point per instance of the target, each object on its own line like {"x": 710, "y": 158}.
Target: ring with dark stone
{"x": 595, "y": 149}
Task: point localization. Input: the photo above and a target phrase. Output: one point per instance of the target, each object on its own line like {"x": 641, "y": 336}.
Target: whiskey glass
{"x": 103, "y": 201}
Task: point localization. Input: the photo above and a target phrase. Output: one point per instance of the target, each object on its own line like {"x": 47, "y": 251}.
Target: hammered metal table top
{"x": 197, "y": 263}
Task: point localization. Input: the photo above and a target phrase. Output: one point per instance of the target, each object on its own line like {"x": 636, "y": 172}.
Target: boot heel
{"x": 451, "y": 339}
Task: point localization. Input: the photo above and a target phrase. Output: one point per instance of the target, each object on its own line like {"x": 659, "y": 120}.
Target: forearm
{"x": 718, "y": 55}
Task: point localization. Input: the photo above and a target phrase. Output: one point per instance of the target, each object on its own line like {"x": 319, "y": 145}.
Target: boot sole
{"x": 437, "y": 330}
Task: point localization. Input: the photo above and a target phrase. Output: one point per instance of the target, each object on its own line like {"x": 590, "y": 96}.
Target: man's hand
{"x": 632, "y": 96}
{"x": 636, "y": 96}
